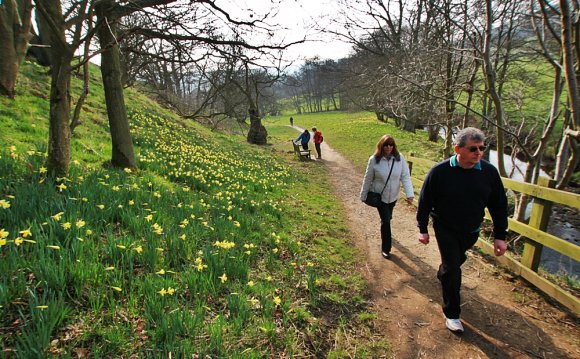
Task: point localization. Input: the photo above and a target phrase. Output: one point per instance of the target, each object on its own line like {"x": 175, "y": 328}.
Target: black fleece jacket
{"x": 456, "y": 197}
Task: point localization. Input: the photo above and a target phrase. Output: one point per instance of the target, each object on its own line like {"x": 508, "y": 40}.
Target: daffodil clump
{"x": 179, "y": 255}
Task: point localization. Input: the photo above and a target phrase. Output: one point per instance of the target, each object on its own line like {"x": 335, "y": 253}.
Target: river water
{"x": 563, "y": 224}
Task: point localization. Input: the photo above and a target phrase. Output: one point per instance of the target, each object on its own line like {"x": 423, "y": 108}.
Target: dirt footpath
{"x": 503, "y": 317}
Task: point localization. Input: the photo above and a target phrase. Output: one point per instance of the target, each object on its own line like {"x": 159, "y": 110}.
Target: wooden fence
{"x": 536, "y": 238}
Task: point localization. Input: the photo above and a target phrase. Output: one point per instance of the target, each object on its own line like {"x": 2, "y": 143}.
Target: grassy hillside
{"x": 212, "y": 248}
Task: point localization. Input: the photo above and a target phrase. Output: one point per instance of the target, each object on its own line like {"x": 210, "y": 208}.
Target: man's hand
{"x": 424, "y": 238}
{"x": 499, "y": 247}
{"x": 410, "y": 200}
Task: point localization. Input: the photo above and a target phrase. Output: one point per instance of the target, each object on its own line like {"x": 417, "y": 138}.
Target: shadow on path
{"x": 406, "y": 293}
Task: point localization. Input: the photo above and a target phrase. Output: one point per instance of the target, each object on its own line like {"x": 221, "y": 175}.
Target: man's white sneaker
{"x": 454, "y": 325}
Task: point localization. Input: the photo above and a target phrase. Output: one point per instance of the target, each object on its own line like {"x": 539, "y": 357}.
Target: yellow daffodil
{"x": 131, "y": 202}
{"x": 80, "y": 239}
{"x": 110, "y": 268}
{"x": 162, "y": 292}
{"x": 117, "y": 289}
{"x": 100, "y": 206}
{"x": 223, "y": 278}
{"x": 277, "y": 300}
{"x": 88, "y": 232}
{"x": 251, "y": 283}
{"x": 42, "y": 169}
{"x": 149, "y": 218}
{"x": 66, "y": 225}
{"x": 120, "y": 246}
{"x": 139, "y": 249}
{"x": 4, "y": 204}
{"x": 56, "y": 248}
{"x": 115, "y": 188}
{"x": 269, "y": 278}
{"x": 2, "y": 242}
{"x": 170, "y": 291}
{"x": 61, "y": 187}
{"x": 26, "y": 233}
{"x": 3, "y": 233}
{"x": 161, "y": 272}
{"x": 80, "y": 223}
{"x": 183, "y": 237}
{"x": 18, "y": 241}
{"x": 42, "y": 307}
{"x": 127, "y": 170}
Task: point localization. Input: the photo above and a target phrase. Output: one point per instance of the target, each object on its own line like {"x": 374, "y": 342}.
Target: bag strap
{"x": 391, "y": 171}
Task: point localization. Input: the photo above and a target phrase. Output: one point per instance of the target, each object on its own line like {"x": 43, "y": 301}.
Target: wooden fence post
{"x": 541, "y": 210}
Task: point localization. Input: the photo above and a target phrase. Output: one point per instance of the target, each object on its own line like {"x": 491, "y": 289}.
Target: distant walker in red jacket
{"x": 317, "y": 141}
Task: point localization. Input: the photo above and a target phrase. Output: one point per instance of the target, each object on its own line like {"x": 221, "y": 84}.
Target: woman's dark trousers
{"x": 452, "y": 247}
{"x": 386, "y": 213}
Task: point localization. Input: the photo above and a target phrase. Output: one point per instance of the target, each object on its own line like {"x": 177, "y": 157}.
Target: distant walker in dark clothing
{"x": 455, "y": 194}
{"x": 291, "y": 121}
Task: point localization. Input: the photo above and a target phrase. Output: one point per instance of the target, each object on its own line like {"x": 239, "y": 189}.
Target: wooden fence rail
{"x": 534, "y": 232}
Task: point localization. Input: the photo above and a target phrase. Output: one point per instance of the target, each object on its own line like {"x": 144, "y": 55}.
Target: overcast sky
{"x": 301, "y": 16}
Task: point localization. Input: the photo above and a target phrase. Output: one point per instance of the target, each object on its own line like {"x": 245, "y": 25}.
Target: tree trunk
{"x": 51, "y": 22}
{"x": 433, "y": 132}
{"x": 257, "y": 133}
{"x": 122, "y": 145}
{"x": 490, "y": 79}
{"x": 568, "y": 49}
{"x": 15, "y": 24}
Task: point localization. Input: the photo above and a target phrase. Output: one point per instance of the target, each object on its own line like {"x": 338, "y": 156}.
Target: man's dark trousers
{"x": 452, "y": 247}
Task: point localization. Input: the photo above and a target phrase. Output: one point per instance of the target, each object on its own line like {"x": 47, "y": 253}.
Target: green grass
{"x": 213, "y": 247}
{"x": 356, "y": 134}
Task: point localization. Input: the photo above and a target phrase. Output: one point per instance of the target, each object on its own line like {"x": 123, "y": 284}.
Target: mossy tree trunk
{"x": 15, "y": 24}
{"x": 51, "y": 22}
{"x": 122, "y": 144}
{"x": 257, "y": 134}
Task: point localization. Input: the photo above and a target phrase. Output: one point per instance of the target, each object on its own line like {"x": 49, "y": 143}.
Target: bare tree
{"x": 571, "y": 56}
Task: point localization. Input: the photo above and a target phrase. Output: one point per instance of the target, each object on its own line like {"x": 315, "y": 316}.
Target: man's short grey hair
{"x": 469, "y": 133}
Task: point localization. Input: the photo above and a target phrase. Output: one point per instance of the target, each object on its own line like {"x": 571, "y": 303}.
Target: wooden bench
{"x": 301, "y": 153}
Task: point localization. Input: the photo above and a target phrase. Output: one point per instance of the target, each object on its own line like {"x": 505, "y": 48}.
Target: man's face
{"x": 470, "y": 154}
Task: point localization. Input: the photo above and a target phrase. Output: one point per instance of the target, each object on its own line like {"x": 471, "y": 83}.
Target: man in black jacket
{"x": 455, "y": 194}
